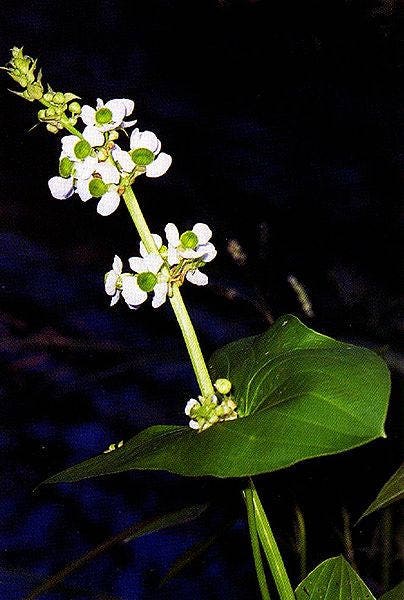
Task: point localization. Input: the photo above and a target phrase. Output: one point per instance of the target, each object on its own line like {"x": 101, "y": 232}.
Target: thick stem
{"x": 271, "y": 549}
{"x": 255, "y": 545}
{"x": 180, "y": 311}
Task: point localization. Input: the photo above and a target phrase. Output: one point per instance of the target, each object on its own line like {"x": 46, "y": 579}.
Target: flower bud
{"x": 52, "y": 128}
{"x": 223, "y": 386}
{"x": 58, "y": 98}
{"x": 35, "y": 90}
{"x": 75, "y": 108}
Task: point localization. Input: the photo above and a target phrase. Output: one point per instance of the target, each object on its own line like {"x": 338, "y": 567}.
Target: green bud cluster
{"x": 21, "y": 69}
{"x": 58, "y": 103}
{"x": 210, "y": 410}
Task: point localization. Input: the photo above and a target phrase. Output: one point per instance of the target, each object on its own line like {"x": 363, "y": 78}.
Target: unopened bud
{"x": 52, "y": 128}
{"x": 223, "y": 386}
{"x": 75, "y": 108}
{"x": 58, "y": 98}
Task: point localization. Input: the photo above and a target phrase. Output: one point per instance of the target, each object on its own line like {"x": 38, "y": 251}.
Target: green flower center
{"x": 146, "y": 281}
{"x": 82, "y": 149}
{"x": 65, "y": 167}
{"x": 142, "y": 156}
{"x": 189, "y": 240}
{"x": 97, "y": 188}
{"x": 103, "y": 116}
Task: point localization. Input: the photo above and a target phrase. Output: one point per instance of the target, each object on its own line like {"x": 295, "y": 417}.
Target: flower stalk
{"x": 177, "y": 303}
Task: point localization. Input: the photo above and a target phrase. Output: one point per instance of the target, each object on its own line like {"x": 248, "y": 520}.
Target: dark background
{"x": 283, "y": 123}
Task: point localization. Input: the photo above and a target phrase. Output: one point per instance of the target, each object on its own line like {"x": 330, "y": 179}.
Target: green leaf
{"x": 333, "y": 578}
{"x": 396, "y": 593}
{"x": 392, "y": 491}
{"x": 300, "y": 394}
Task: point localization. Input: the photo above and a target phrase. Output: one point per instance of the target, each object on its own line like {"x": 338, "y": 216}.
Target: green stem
{"x": 301, "y": 542}
{"x": 180, "y": 311}
{"x": 271, "y": 549}
{"x": 252, "y": 526}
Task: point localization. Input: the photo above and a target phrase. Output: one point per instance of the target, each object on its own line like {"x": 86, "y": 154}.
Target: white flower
{"x": 77, "y": 149}
{"x": 192, "y": 245}
{"x": 108, "y": 116}
{"x": 144, "y": 152}
{"x": 99, "y": 186}
{"x": 111, "y": 280}
{"x": 149, "y": 277}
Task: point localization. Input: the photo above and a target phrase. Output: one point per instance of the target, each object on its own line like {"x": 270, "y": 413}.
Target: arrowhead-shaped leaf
{"x": 334, "y": 578}
{"x": 300, "y": 394}
{"x": 396, "y": 593}
{"x": 392, "y": 491}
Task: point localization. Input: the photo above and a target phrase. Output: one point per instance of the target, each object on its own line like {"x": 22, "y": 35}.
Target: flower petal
{"x": 209, "y": 252}
{"x": 173, "y": 256}
{"x": 109, "y": 173}
{"x": 118, "y": 109}
{"x": 82, "y": 189}
{"x": 129, "y": 106}
{"x": 125, "y": 124}
{"x": 86, "y": 168}
{"x": 203, "y": 233}
{"x": 153, "y": 262}
{"x": 159, "y": 166}
{"x": 160, "y": 294}
{"x": 110, "y": 283}
{"x": 87, "y": 115}
{"x": 117, "y": 265}
{"x": 124, "y": 159}
{"x": 108, "y": 204}
{"x": 93, "y": 136}
{"x": 137, "y": 264}
{"x": 115, "y": 298}
{"x": 132, "y": 293}
{"x": 190, "y": 405}
{"x": 68, "y": 144}
{"x": 60, "y": 187}
{"x": 197, "y": 277}
{"x": 144, "y": 139}
{"x": 194, "y": 424}
{"x": 172, "y": 234}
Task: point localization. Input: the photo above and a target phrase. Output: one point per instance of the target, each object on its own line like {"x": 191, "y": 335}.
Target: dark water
{"x": 282, "y": 119}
